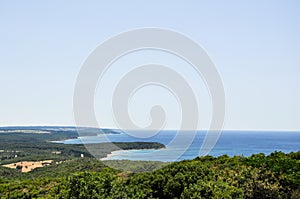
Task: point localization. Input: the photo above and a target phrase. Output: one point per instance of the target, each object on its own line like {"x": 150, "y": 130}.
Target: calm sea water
{"x": 230, "y": 142}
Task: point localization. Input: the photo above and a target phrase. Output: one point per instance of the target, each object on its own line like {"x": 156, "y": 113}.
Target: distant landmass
{"x": 57, "y": 129}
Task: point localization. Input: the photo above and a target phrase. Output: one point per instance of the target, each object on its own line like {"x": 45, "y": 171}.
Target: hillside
{"x": 274, "y": 176}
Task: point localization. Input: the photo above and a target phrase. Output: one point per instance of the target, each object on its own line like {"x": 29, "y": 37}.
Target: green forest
{"x": 258, "y": 176}
{"x": 16, "y": 147}
{"x": 72, "y": 175}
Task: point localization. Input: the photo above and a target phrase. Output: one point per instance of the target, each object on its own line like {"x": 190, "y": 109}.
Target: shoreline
{"x": 111, "y": 154}
{"x": 79, "y": 137}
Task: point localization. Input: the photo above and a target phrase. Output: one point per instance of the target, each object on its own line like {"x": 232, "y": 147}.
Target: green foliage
{"x": 17, "y": 147}
{"x": 90, "y": 185}
{"x": 258, "y": 176}
{"x": 135, "y": 166}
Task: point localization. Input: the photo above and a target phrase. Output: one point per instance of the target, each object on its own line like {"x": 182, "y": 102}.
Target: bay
{"x": 231, "y": 143}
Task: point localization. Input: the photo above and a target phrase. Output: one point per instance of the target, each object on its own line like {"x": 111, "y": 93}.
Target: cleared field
{"x": 27, "y": 166}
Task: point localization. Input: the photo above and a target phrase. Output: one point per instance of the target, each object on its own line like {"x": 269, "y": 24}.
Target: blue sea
{"x": 231, "y": 143}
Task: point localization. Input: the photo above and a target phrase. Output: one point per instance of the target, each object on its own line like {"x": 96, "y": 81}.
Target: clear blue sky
{"x": 254, "y": 44}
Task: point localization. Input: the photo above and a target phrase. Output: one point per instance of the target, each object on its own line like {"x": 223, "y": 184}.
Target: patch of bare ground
{"x": 27, "y": 166}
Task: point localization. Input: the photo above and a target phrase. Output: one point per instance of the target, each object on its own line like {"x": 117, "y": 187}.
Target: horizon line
{"x": 115, "y": 128}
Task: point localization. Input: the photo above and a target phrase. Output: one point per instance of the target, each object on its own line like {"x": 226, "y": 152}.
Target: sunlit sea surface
{"x": 231, "y": 143}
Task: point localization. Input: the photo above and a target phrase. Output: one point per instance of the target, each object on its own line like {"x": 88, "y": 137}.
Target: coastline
{"x": 113, "y": 153}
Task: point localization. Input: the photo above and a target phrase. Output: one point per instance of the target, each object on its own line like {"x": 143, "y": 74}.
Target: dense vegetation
{"x": 70, "y": 176}
{"x": 16, "y": 147}
{"x": 274, "y": 176}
